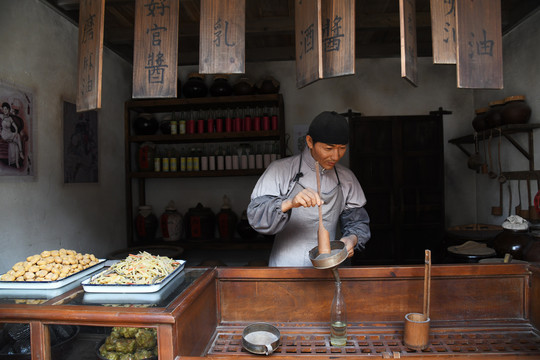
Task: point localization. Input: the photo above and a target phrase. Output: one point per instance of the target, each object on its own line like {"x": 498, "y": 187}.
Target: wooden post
{"x": 155, "y": 56}
{"x": 338, "y": 34}
{"x": 222, "y": 42}
{"x": 479, "y": 44}
{"x": 308, "y": 41}
{"x": 91, "y": 14}
{"x": 407, "y": 21}
{"x": 443, "y": 31}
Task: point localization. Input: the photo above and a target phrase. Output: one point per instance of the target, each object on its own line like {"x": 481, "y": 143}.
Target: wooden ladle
{"x": 322, "y": 234}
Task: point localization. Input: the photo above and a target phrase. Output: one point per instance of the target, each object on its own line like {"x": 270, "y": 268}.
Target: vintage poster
{"x": 80, "y": 145}
{"x": 16, "y": 135}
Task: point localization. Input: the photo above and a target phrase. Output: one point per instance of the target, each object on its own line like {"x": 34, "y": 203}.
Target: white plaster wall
{"x": 521, "y": 77}
{"x": 39, "y": 53}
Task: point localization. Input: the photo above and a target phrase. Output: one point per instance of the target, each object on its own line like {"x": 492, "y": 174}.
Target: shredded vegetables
{"x": 143, "y": 268}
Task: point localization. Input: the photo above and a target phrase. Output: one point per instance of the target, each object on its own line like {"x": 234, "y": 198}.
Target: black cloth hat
{"x": 330, "y": 128}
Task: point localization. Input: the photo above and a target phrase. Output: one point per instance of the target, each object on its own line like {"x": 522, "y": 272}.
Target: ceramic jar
{"x": 243, "y": 87}
{"x": 195, "y": 86}
{"x": 146, "y": 224}
{"x": 200, "y": 223}
{"x": 245, "y": 230}
{"x": 145, "y": 158}
{"x": 268, "y": 85}
{"x": 513, "y": 242}
{"x": 493, "y": 115}
{"x": 226, "y": 220}
{"x": 221, "y": 86}
{"x": 515, "y": 110}
{"x": 145, "y": 124}
{"x": 479, "y": 121}
{"x": 532, "y": 253}
{"x": 171, "y": 223}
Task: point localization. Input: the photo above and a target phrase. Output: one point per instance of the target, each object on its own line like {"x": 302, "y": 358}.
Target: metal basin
{"x": 338, "y": 254}
{"x": 261, "y": 338}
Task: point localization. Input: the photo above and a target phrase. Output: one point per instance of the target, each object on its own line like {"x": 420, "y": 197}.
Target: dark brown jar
{"x": 195, "y": 86}
{"x": 200, "y": 223}
{"x": 532, "y": 253}
{"x": 221, "y": 86}
{"x": 244, "y": 87}
{"x": 479, "y": 121}
{"x": 493, "y": 116}
{"x": 514, "y": 242}
{"x": 515, "y": 110}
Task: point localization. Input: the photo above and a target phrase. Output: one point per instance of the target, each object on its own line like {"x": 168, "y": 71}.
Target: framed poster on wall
{"x": 80, "y": 145}
{"x": 16, "y": 136}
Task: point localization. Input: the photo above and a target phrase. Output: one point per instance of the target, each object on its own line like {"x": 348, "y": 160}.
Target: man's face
{"x": 327, "y": 155}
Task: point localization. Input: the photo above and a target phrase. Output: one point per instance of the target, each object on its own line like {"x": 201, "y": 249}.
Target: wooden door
{"x": 400, "y": 165}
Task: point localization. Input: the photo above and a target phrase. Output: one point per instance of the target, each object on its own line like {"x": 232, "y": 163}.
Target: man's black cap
{"x": 330, "y": 128}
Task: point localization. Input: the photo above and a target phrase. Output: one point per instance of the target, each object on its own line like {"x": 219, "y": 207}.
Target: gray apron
{"x": 293, "y": 243}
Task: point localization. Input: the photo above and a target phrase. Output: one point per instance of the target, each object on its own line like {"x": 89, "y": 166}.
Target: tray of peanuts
{"x": 51, "y": 269}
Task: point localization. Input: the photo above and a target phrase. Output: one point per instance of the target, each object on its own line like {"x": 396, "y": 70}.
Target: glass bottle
{"x": 183, "y": 159}
{"x": 338, "y": 318}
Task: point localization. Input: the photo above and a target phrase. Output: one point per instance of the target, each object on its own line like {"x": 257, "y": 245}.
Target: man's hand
{"x": 350, "y": 242}
{"x": 305, "y": 198}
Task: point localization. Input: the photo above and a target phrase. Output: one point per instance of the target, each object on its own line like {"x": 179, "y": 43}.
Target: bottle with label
{"x": 173, "y": 160}
{"x": 220, "y": 158}
{"x": 183, "y": 160}
{"x": 195, "y": 155}
{"x": 189, "y": 160}
{"x": 182, "y": 124}
{"x": 338, "y": 318}
{"x": 211, "y": 158}
{"x": 157, "y": 161}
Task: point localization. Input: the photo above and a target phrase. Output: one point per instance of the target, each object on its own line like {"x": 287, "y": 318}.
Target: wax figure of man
{"x": 285, "y": 201}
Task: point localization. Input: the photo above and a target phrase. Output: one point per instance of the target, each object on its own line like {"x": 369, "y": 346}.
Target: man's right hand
{"x": 305, "y": 198}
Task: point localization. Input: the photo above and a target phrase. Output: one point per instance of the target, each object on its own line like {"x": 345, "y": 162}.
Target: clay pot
{"x": 244, "y": 87}
{"x": 493, "y": 116}
{"x": 479, "y": 121}
{"x": 513, "y": 242}
{"x": 245, "y": 230}
{"x": 268, "y": 85}
{"x": 226, "y": 220}
{"x": 171, "y": 223}
{"x": 145, "y": 159}
{"x": 221, "y": 86}
{"x": 146, "y": 224}
{"x": 145, "y": 124}
{"x": 200, "y": 223}
{"x": 195, "y": 86}
{"x": 515, "y": 110}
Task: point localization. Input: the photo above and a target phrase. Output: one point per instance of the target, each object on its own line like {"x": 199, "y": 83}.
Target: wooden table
{"x": 478, "y": 311}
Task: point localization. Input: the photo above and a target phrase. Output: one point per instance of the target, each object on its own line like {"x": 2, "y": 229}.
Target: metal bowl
{"x": 261, "y": 338}
{"x": 338, "y": 254}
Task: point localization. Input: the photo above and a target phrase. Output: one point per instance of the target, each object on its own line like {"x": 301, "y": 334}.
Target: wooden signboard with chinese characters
{"x": 338, "y": 37}
{"x": 155, "y": 55}
{"x": 222, "y": 48}
{"x": 407, "y": 25}
{"x": 307, "y": 24}
{"x": 91, "y": 14}
{"x": 443, "y": 31}
{"x": 479, "y": 44}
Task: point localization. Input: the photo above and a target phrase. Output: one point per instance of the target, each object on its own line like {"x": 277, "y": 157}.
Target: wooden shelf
{"x": 192, "y": 174}
{"x": 208, "y": 137}
{"x": 495, "y": 132}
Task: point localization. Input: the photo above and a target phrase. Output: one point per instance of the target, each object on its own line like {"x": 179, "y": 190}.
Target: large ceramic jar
{"x": 226, "y": 220}
{"x": 244, "y": 87}
{"x": 146, "y": 224}
{"x": 145, "y": 124}
{"x": 515, "y": 110}
{"x": 493, "y": 116}
{"x": 514, "y": 239}
{"x": 532, "y": 253}
{"x": 200, "y": 223}
{"x": 268, "y": 85}
{"x": 479, "y": 121}
{"x": 195, "y": 86}
{"x": 145, "y": 159}
{"x": 171, "y": 223}
{"x": 221, "y": 86}
{"x": 245, "y": 230}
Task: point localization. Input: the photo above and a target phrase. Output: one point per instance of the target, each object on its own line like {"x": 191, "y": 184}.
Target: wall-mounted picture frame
{"x": 80, "y": 134}
{"x": 16, "y": 135}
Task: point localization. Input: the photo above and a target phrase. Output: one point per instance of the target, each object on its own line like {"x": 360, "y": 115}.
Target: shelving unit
{"x": 507, "y": 131}
{"x": 132, "y": 141}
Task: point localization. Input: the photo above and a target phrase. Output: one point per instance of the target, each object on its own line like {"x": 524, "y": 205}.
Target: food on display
{"x": 143, "y": 268}
{"x": 129, "y": 343}
{"x": 49, "y": 266}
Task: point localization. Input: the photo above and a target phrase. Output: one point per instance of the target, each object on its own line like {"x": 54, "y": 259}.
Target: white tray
{"x": 130, "y": 288}
{"x": 45, "y": 285}
{"x": 134, "y": 298}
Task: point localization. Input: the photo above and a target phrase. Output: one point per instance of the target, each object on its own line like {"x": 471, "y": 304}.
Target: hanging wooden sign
{"x": 479, "y": 44}
{"x": 91, "y": 14}
{"x": 155, "y": 55}
{"x": 407, "y": 22}
{"x": 222, "y": 47}
{"x": 338, "y": 30}
{"x": 443, "y": 31}
{"x": 307, "y": 24}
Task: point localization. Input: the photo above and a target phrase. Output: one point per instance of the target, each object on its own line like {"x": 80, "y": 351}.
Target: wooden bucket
{"x": 416, "y": 334}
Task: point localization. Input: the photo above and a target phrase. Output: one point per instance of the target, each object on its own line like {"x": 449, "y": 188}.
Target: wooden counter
{"x": 478, "y": 311}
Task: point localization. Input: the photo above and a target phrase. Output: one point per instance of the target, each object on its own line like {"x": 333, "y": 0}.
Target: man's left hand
{"x": 350, "y": 242}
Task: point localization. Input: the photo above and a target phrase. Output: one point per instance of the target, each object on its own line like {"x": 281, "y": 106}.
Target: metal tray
{"x": 45, "y": 285}
{"x": 130, "y": 288}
